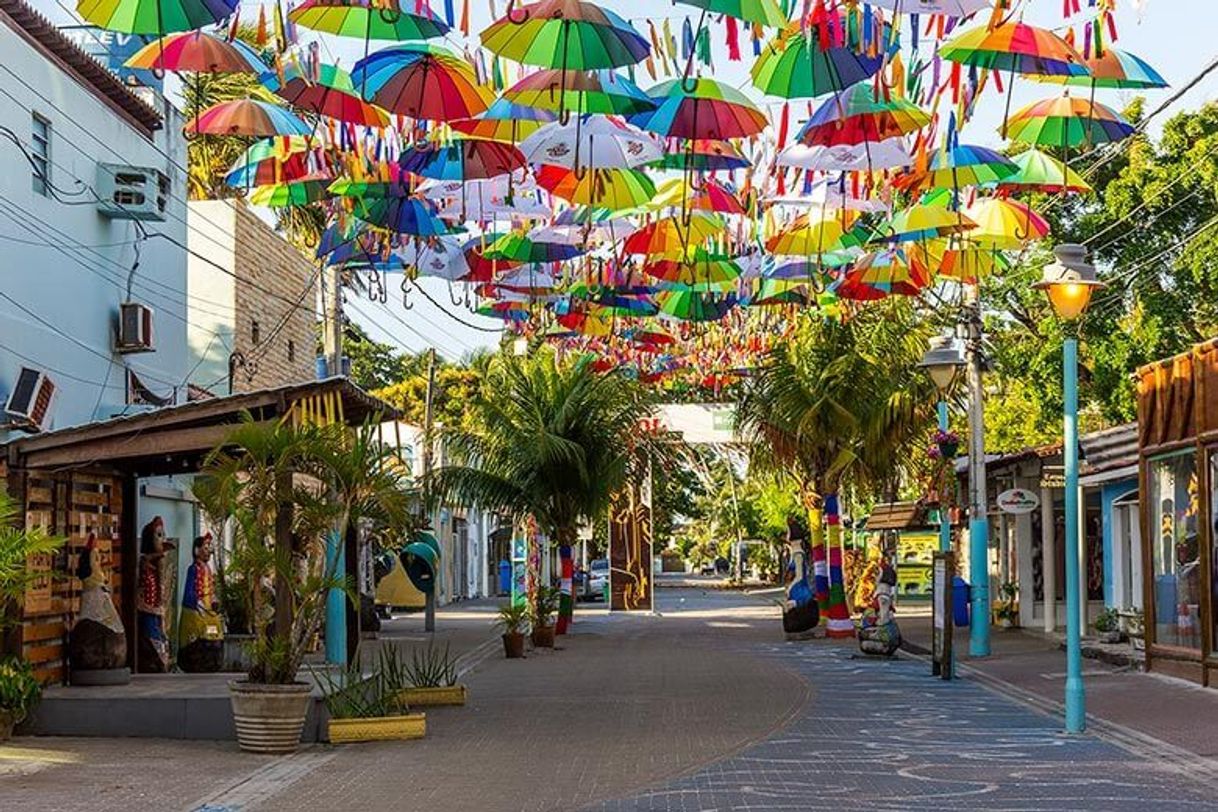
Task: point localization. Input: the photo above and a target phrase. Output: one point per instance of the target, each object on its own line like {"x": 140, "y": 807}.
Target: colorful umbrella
{"x": 761, "y": 12}
{"x": 673, "y": 236}
{"x": 808, "y": 238}
{"x": 922, "y": 222}
{"x": 461, "y": 159}
{"x": 155, "y": 17}
{"x": 197, "y": 52}
{"x": 247, "y": 117}
{"x": 481, "y": 267}
{"x": 965, "y": 264}
{"x": 591, "y": 141}
{"x": 402, "y": 215}
{"x": 504, "y": 121}
{"x": 580, "y": 91}
{"x": 888, "y": 271}
{"x": 1004, "y": 224}
{"x": 1067, "y": 122}
{"x": 709, "y": 195}
{"x": 689, "y": 305}
{"x": 565, "y": 34}
{"x": 1036, "y": 171}
{"x": 867, "y": 156}
{"x": 273, "y": 160}
{"x": 701, "y": 267}
{"x": 328, "y": 93}
{"x": 1015, "y": 47}
{"x": 613, "y": 189}
{"x": 390, "y": 20}
{"x": 700, "y": 108}
{"x": 777, "y": 292}
{"x": 963, "y": 165}
{"x": 1113, "y": 69}
{"x": 294, "y": 193}
{"x": 824, "y": 56}
{"x": 517, "y": 247}
{"x": 422, "y": 81}
{"x": 945, "y": 8}
{"x": 704, "y": 155}
{"x": 861, "y": 115}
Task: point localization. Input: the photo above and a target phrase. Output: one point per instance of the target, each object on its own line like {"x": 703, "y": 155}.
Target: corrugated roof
{"x": 897, "y": 516}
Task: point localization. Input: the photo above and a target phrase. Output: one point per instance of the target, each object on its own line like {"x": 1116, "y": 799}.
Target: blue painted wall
{"x": 1109, "y": 493}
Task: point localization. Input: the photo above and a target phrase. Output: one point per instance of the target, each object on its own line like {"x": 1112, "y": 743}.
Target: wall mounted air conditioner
{"x": 134, "y": 328}
{"x": 29, "y": 404}
{"x": 131, "y": 192}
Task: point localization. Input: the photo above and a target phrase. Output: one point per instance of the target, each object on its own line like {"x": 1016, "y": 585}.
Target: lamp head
{"x": 1069, "y": 281}
{"x": 943, "y": 361}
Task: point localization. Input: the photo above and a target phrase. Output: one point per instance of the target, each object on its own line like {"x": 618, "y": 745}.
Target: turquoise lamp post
{"x": 943, "y": 362}
{"x": 1069, "y": 282}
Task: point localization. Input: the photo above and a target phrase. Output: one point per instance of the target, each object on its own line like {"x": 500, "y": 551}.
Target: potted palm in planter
{"x": 545, "y": 606}
{"x": 1008, "y": 608}
{"x": 431, "y": 678}
{"x": 288, "y": 489}
{"x": 513, "y": 619}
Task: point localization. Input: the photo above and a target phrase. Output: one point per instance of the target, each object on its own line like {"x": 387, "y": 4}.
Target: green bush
{"x": 19, "y": 688}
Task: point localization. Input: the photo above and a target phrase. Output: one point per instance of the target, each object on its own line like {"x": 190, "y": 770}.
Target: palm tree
{"x": 840, "y": 398}
{"x": 550, "y": 439}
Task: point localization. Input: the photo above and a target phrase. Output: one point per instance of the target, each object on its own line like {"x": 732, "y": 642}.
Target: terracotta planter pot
{"x": 269, "y": 718}
{"x": 377, "y": 728}
{"x": 513, "y": 645}
{"x": 543, "y": 637}
{"x": 432, "y": 697}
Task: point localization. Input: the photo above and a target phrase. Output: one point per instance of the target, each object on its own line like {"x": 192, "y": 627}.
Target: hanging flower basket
{"x": 947, "y": 443}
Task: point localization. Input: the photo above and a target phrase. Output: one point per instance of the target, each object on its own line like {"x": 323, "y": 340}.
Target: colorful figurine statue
{"x": 800, "y": 612}
{"x": 200, "y": 631}
{"x": 97, "y": 650}
{"x": 150, "y": 599}
{"x": 879, "y": 633}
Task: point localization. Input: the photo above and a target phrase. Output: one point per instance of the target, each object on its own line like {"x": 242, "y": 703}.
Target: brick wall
{"x": 271, "y": 277}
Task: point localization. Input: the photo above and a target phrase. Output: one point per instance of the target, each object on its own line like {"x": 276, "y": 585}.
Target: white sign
{"x": 1018, "y": 500}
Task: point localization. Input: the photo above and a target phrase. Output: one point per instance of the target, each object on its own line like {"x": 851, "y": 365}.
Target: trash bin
{"x": 505, "y": 577}
{"x": 960, "y": 601}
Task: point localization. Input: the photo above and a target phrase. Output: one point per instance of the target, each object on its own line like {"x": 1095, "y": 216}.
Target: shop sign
{"x": 1017, "y": 501}
{"x": 1053, "y": 476}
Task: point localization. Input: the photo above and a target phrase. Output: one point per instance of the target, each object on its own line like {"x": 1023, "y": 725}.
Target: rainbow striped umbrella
{"x": 673, "y": 236}
{"x": 422, "y": 81}
{"x": 197, "y": 52}
{"x": 690, "y": 305}
{"x": 390, "y": 20}
{"x": 461, "y": 159}
{"x": 402, "y": 215}
{"x": 291, "y": 194}
{"x": 1036, "y": 171}
{"x": 889, "y": 271}
{"x": 794, "y": 65}
{"x": 809, "y": 238}
{"x": 1015, "y": 48}
{"x": 922, "y": 222}
{"x": 964, "y": 165}
{"x": 328, "y": 93}
{"x": 565, "y": 34}
{"x": 155, "y": 17}
{"x": 963, "y": 262}
{"x": 504, "y": 121}
{"x": 613, "y": 189}
{"x": 707, "y": 195}
{"x": 1114, "y": 70}
{"x": 761, "y": 12}
{"x": 517, "y": 247}
{"x": 704, "y": 155}
{"x": 700, "y": 108}
{"x": 271, "y": 160}
{"x": 580, "y": 91}
{"x": 699, "y": 267}
{"x": 247, "y": 117}
{"x": 1004, "y": 224}
{"x": 1067, "y": 122}
{"x": 860, "y": 115}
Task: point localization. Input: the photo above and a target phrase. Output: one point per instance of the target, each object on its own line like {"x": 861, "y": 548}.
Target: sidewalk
{"x": 1167, "y": 717}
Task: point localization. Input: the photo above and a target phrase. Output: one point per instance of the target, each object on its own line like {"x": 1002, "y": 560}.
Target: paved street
{"x": 702, "y": 708}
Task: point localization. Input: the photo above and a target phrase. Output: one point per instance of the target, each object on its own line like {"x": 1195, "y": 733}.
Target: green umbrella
{"x": 794, "y": 66}
{"x": 762, "y": 12}
{"x": 287, "y": 195}
{"x": 155, "y": 17}
{"x": 566, "y": 34}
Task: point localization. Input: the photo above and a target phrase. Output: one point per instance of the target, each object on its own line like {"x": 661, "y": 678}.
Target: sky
{"x": 1175, "y": 36}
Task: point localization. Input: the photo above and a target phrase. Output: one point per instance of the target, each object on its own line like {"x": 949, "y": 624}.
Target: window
{"x": 40, "y": 155}
{"x": 291, "y": 350}
{"x": 255, "y": 332}
{"x": 1214, "y": 545}
{"x": 1175, "y": 552}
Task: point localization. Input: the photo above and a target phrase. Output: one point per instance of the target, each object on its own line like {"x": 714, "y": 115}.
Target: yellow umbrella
{"x": 808, "y": 238}
{"x": 962, "y": 262}
{"x": 922, "y": 222}
{"x": 613, "y": 189}
{"x": 1004, "y": 224}
{"x": 674, "y": 236}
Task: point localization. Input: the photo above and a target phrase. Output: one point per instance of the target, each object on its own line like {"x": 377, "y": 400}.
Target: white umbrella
{"x": 887, "y": 154}
{"x": 948, "y": 8}
{"x": 830, "y": 195}
{"x": 441, "y": 257}
{"x": 487, "y": 198}
{"x": 596, "y": 141}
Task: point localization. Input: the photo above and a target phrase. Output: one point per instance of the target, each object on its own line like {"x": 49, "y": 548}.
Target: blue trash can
{"x": 960, "y": 601}
{"x": 505, "y": 577}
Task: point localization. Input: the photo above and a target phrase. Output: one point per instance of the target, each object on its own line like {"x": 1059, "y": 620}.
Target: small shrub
{"x": 19, "y": 688}
{"x": 431, "y": 668}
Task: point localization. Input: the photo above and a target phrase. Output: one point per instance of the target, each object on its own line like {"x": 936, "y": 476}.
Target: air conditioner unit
{"x": 134, "y": 328}
{"x": 29, "y": 404}
{"x": 131, "y": 192}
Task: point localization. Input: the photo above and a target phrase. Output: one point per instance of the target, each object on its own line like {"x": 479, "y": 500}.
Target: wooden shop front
{"x": 83, "y": 482}
{"x": 1178, "y": 472}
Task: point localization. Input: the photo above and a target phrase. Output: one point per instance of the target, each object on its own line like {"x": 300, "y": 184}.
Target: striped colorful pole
{"x": 839, "y": 623}
{"x": 566, "y": 600}
{"x": 820, "y": 565}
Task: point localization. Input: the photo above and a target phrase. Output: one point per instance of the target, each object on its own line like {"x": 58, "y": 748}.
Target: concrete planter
{"x": 431, "y": 697}
{"x": 269, "y": 718}
{"x": 377, "y": 728}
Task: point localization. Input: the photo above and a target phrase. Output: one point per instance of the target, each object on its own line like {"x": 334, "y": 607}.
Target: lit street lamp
{"x": 943, "y": 362}
{"x": 1069, "y": 282}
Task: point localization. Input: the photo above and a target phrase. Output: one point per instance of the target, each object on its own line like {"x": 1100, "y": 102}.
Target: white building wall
{"x": 65, "y": 266}
{"x": 211, "y": 284}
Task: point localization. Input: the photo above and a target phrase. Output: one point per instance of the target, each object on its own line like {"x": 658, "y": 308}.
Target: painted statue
{"x": 800, "y": 612}
{"x": 153, "y": 648}
{"x": 98, "y": 641}
{"x": 879, "y": 633}
{"x": 200, "y": 631}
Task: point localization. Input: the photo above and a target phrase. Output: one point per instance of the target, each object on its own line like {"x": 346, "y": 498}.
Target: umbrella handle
{"x": 564, "y": 116}
{"x": 511, "y": 15}
{"x": 406, "y": 303}
{"x": 390, "y": 15}
{"x": 689, "y": 83}
{"x": 580, "y": 172}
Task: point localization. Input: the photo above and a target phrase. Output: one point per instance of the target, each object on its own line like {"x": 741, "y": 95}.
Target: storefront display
{"x": 1175, "y": 553}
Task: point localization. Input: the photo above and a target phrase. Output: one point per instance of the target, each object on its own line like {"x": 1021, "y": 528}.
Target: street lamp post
{"x": 1069, "y": 282}
{"x": 943, "y": 361}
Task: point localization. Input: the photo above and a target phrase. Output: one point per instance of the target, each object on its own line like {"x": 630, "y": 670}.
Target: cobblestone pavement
{"x": 703, "y": 708}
